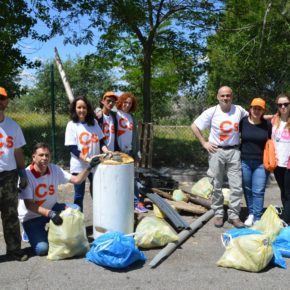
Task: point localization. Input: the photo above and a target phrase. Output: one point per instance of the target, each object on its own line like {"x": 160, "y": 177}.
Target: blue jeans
{"x": 80, "y": 191}
{"x": 36, "y": 233}
{"x": 254, "y": 184}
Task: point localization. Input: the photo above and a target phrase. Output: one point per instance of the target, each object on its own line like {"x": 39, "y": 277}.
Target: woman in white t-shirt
{"x": 281, "y": 138}
{"x": 127, "y": 135}
{"x": 85, "y": 138}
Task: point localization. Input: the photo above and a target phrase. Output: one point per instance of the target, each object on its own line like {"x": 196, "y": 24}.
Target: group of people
{"x": 87, "y": 135}
{"x": 91, "y": 132}
{"x": 235, "y": 145}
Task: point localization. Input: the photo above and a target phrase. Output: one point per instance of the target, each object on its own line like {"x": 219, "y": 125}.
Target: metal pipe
{"x": 64, "y": 79}
{"x": 185, "y": 234}
{"x": 52, "y": 101}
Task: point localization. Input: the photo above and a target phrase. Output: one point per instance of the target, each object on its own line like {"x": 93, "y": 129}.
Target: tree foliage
{"x": 86, "y": 78}
{"x": 150, "y": 29}
{"x": 250, "y": 51}
{"x": 16, "y": 22}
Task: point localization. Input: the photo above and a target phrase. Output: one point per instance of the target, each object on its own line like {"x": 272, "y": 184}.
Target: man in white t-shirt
{"x": 11, "y": 165}
{"x": 224, "y": 154}
{"x": 107, "y": 120}
{"x": 38, "y": 201}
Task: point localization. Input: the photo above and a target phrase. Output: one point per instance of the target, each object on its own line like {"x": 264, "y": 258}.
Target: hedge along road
{"x": 192, "y": 266}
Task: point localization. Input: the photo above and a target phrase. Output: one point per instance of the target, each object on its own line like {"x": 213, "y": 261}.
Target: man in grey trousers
{"x": 224, "y": 154}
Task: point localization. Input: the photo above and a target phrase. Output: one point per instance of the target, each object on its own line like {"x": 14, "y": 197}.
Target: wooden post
{"x": 146, "y": 144}
{"x": 64, "y": 79}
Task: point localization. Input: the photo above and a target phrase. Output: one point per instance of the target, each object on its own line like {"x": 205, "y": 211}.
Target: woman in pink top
{"x": 281, "y": 138}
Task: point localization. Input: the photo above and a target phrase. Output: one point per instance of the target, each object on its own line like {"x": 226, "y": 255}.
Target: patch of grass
{"x": 38, "y": 128}
{"x": 177, "y": 146}
{"x": 172, "y": 145}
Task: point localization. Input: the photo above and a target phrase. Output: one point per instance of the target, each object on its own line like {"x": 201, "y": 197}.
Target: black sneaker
{"x": 18, "y": 255}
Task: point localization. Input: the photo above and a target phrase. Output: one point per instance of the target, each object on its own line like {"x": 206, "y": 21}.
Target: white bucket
{"x": 113, "y": 198}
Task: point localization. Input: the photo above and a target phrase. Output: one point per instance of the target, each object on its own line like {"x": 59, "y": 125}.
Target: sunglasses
{"x": 283, "y": 104}
{"x": 226, "y": 95}
{"x": 111, "y": 101}
{"x": 3, "y": 98}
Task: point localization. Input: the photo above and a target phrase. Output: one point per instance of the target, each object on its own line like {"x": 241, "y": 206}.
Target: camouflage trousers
{"x": 8, "y": 208}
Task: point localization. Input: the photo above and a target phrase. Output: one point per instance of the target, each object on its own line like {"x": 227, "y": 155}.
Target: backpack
{"x": 269, "y": 158}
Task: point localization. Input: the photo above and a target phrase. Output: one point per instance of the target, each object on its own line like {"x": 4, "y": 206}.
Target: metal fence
{"x": 176, "y": 146}
{"x": 173, "y": 146}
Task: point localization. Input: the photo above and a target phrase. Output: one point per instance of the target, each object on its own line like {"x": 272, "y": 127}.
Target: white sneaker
{"x": 249, "y": 221}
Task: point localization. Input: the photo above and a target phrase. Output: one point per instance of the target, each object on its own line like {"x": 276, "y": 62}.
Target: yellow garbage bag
{"x": 249, "y": 253}
{"x": 179, "y": 195}
{"x": 270, "y": 224}
{"x": 158, "y": 212}
{"x": 153, "y": 232}
{"x": 69, "y": 239}
{"x": 202, "y": 188}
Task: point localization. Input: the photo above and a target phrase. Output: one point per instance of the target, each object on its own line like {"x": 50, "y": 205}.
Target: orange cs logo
{"x": 86, "y": 139}
{"x": 42, "y": 190}
{"x": 226, "y": 128}
{"x": 8, "y": 142}
{"x": 107, "y": 129}
{"x": 123, "y": 124}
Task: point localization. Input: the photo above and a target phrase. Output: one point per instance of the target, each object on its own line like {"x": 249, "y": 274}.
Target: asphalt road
{"x": 192, "y": 266}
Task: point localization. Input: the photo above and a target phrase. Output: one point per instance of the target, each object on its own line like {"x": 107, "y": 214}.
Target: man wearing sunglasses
{"x": 107, "y": 120}
{"x": 224, "y": 154}
{"x": 11, "y": 166}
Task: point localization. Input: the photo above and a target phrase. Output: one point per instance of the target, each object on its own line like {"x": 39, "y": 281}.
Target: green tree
{"x": 146, "y": 25}
{"x": 250, "y": 51}
{"x": 86, "y": 78}
{"x": 16, "y": 23}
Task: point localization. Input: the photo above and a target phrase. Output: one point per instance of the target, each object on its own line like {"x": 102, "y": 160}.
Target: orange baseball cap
{"x": 110, "y": 94}
{"x": 258, "y": 102}
{"x": 3, "y": 92}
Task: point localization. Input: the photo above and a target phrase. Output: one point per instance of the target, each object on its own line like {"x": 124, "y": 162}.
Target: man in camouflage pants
{"x": 11, "y": 166}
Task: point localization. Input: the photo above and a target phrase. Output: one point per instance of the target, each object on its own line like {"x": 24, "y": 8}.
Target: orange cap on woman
{"x": 3, "y": 92}
{"x": 258, "y": 102}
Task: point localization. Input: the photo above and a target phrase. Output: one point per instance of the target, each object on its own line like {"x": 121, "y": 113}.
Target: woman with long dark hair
{"x": 85, "y": 138}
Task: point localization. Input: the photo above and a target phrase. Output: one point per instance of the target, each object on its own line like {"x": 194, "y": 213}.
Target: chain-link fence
{"x": 173, "y": 146}
{"x": 176, "y": 146}
{"x": 37, "y": 127}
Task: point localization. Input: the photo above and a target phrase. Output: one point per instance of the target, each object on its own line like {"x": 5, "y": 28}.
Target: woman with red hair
{"x": 127, "y": 135}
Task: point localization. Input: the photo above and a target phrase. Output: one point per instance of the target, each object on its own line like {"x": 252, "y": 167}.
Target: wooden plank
{"x": 146, "y": 144}
{"x": 192, "y": 208}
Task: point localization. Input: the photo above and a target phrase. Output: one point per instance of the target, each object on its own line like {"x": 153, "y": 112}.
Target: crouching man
{"x": 38, "y": 201}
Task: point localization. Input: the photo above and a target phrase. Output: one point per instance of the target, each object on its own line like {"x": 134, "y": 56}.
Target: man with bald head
{"x": 224, "y": 154}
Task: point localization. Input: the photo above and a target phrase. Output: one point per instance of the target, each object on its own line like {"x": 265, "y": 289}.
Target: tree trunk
{"x": 147, "y": 83}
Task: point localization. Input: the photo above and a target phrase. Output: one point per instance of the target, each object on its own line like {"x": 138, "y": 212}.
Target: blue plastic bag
{"x": 282, "y": 242}
{"x": 277, "y": 257}
{"x": 237, "y": 232}
{"x": 114, "y": 250}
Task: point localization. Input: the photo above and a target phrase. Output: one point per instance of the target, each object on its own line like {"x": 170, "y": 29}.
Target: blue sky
{"x": 44, "y": 51}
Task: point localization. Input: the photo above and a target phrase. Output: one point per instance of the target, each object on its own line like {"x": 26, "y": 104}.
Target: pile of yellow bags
{"x": 253, "y": 252}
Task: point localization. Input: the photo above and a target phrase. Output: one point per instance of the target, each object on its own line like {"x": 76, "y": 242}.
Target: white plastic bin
{"x": 113, "y": 198}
